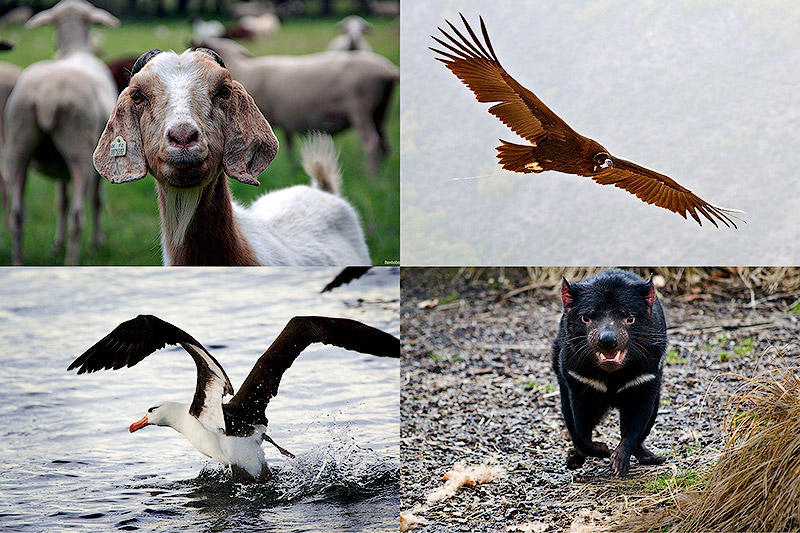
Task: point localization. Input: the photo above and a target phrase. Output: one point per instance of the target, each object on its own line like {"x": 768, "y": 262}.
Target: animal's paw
{"x": 620, "y": 461}
{"x": 646, "y": 457}
{"x": 575, "y": 459}
{"x": 599, "y": 449}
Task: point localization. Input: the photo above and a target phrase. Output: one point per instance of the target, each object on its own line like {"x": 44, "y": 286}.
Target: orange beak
{"x": 139, "y": 424}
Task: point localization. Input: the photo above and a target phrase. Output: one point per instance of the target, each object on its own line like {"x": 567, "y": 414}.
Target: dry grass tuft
{"x": 755, "y": 483}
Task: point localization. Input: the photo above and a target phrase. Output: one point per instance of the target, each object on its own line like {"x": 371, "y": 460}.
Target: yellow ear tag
{"x": 118, "y": 147}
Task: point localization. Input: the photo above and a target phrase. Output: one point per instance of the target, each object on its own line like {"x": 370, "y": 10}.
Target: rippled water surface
{"x": 67, "y": 459}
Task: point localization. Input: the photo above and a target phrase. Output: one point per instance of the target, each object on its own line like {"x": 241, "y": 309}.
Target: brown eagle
{"x": 553, "y": 144}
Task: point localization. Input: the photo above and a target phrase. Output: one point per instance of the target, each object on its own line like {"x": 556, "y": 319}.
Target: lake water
{"x": 67, "y": 459}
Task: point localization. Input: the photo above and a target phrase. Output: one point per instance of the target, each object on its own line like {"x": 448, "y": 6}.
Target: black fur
{"x": 613, "y": 311}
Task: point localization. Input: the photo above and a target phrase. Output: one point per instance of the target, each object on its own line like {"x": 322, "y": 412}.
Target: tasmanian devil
{"x": 609, "y": 352}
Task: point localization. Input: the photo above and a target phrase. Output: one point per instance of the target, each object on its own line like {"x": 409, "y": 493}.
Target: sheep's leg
{"x": 370, "y": 138}
{"x": 98, "y": 237}
{"x": 61, "y": 215}
{"x": 80, "y": 178}
{"x": 18, "y": 174}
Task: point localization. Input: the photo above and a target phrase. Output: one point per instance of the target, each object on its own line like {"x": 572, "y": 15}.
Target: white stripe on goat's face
{"x": 179, "y": 74}
{"x": 182, "y": 120}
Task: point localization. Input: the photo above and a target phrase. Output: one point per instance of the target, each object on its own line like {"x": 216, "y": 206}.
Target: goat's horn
{"x": 143, "y": 59}
{"x": 215, "y": 56}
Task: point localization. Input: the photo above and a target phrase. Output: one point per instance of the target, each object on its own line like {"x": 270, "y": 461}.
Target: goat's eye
{"x": 585, "y": 319}
{"x": 630, "y": 319}
{"x": 137, "y": 97}
{"x": 223, "y": 93}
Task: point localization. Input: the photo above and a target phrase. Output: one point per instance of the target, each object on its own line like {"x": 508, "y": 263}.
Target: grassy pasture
{"x": 130, "y": 212}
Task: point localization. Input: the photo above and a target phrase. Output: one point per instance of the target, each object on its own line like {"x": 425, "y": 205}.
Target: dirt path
{"x": 477, "y": 385}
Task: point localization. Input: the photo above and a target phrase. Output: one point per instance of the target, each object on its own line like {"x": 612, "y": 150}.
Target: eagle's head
{"x": 602, "y": 161}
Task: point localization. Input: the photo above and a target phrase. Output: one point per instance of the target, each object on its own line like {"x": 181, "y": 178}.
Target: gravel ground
{"x": 477, "y": 386}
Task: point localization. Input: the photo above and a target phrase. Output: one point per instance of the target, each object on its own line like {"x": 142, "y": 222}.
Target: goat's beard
{"x": 179, "y": 207}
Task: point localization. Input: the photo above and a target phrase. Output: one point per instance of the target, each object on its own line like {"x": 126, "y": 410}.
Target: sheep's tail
{"x": 321, "y": 162}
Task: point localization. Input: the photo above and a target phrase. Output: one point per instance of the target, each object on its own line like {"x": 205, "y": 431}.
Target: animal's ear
{"x": 119, "y": 156}
{"x": 101, "y": 16}
{"x": 650, "y": 291}
{"x": 40, "y": 19}
{"x": 567, "y": 295}
{"x": 250, "y": 144}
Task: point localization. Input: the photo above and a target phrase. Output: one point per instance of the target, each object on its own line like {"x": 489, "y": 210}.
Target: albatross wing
{"x": 135, "y": 339}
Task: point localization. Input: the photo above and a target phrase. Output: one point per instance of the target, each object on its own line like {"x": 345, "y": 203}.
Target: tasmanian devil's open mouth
{"x": 611, "y": 359}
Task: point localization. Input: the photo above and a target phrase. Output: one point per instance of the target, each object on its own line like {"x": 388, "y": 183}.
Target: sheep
{"x": 353, "y": 29}
{"x": 55, "y": 115}
{"x": 183, "y": 119}
{"x": 202, "y": 29}
{"x": 8, "y": 78}
{"x": 261, "y": 26}
{"x": 326, "y": 91}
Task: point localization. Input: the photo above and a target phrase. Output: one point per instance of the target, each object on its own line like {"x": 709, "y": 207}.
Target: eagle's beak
{"x": 139, "y": 424}
{"x": 607, "y": 163}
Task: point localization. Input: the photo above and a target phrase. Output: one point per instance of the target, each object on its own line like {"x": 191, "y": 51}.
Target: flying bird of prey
{"x": 553, "y": 144}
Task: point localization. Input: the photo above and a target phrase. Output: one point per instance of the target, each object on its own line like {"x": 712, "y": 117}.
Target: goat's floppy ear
{"x": 101, "y": 16}
{"x": 119, "y": 156}
{"x": 250, "y": 144}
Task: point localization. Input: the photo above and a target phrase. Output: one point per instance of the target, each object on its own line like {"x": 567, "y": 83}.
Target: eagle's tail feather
{"x": 519, "y": 158}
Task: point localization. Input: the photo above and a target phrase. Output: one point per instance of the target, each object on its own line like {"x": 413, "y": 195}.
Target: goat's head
{"x": 184, "y": 119}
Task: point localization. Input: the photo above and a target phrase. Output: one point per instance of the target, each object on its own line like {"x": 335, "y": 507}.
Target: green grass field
{"x": 130, "y": 213}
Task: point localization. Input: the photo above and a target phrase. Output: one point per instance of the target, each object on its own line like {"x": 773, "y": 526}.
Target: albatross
{"x": 230, "y": 432}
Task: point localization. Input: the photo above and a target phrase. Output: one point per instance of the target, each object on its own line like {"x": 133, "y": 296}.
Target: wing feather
{"x": 301, "y": 331}
{"x": 658, "y": 189}
{"x": 133, "y": 340}
{"x": 476, "y": 65}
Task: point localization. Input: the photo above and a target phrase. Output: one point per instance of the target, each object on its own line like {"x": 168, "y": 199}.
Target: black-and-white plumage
{"x": 230, "y": 432}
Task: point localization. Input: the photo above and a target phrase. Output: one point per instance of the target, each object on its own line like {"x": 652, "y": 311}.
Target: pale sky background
{"x": 706, "y": 92}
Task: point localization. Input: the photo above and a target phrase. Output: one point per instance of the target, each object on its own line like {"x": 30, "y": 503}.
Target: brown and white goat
{"x": 185, "y": 120}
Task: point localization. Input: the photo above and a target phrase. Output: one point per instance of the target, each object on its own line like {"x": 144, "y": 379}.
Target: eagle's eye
{"x": 603, "y": 160}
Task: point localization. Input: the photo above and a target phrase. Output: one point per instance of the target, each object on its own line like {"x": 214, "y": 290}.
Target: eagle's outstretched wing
{"x": 658, "y": 189}
{"x": 477, "y": 66}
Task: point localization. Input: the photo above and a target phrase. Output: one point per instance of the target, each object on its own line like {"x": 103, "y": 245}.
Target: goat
{"x": 353, "y": 29}
{"x": 326, "y": 91}
{"x": 54, "y": 116}
{"x": 185, "y": 120}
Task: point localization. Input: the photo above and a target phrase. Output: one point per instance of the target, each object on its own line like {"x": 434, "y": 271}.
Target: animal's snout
{"x": 183, "y": 135}
{"x": 607, "y": 340}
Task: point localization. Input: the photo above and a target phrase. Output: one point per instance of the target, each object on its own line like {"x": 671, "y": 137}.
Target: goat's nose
{"x": 183, "y": 135}
{"x": 607, "y": 340}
